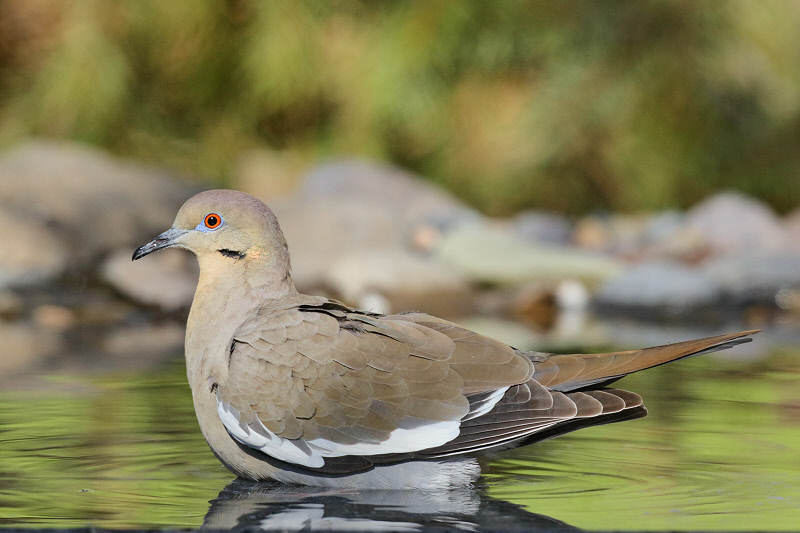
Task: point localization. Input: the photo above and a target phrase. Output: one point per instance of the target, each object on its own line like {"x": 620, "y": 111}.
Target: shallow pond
{"x": 719, "y": 450}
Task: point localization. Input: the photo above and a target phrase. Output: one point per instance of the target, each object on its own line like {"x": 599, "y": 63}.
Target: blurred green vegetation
{"x": 570, "y": 106}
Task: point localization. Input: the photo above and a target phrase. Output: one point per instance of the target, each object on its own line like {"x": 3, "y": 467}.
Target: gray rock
{"x": 352, "y": 206}
{"x": 404, "y": 279}
{"x": 166, "y": 280}
{"x": 76, "y": 190}
{"x": 756, "y": 279}
{"x": 487, "y": 253}
{"x": 662, "y": 227}
{"x": 321, "y": 231}
{"x": 539, "y": 226}
{"x": 659, "y": 289}
{"x": 622, "y": 235}
{"x": 731, "y": 223}
{"x": 409, "y": 198}
{"x": 29, "y": 252}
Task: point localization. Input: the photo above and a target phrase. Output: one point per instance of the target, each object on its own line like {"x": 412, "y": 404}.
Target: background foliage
{"x": 570, "y": 106}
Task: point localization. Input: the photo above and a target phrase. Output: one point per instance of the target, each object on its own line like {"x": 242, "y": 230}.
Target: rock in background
{"x": 70, "y": 212}
{"x": 374, "y": 236}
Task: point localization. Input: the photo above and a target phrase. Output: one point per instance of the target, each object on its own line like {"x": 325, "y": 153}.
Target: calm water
{"x": 719, "y": 450}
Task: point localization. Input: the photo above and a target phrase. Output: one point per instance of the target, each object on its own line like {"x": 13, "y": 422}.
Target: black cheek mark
{"x": 232, "y": 254}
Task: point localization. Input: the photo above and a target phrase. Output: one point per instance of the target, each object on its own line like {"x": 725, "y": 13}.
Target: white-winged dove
{"x": 304, "y": 389}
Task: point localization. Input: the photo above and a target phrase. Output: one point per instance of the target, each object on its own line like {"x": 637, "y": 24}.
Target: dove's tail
{"x": 580, "y": 371}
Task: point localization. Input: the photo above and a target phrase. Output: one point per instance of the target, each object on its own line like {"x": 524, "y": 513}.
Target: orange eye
{"x": 212, "y": 221}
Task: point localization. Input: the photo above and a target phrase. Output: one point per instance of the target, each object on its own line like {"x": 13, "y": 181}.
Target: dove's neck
{"x": 228, "y": 293}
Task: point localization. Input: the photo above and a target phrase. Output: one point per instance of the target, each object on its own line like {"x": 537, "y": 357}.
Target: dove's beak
{"x": 165, "y": 240}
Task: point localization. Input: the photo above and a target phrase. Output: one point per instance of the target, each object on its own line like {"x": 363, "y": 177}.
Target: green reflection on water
{"x": 719, "y": 450}
{"x": 119, "y": 452}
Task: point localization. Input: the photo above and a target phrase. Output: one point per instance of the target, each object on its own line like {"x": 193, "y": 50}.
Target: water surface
{"x": 719, "y": 450}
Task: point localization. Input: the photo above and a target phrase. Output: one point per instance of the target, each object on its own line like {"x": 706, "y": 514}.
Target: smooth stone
{"x": 406, "y": 280}
{"x": 732, "y": 223}
{"x": 349, "y": 206}
{"x": 30, "y": 253}
{"x": 661, "y": 289}
{"x": 167, "y": 280}
{"x": 76, "y": 190}
{"x": 321, "y": 231}
{"x": 410, "y": 198}
{"x": 540, "y": 226}
{"x": 488, "y": 254}
{"x": 756, "y": 279}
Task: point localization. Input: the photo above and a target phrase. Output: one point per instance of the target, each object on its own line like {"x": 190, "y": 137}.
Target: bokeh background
{"x": 560, "y": 175}
{"x": 619, "y": 105}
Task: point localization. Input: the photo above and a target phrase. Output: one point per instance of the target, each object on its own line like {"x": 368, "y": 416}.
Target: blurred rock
{"x": 410, "y": 199}
{"x": 539, "y": 226}
{"x": 662, "y": 226}
{"x": 29, "y": 252}
{"x": 659, "y": 290}
{"x": 92, "y": 203}
{"x": 23, "y": 347}
{"x": 320, "y": 232}
{"x": 667, "y": 236}
{"x": 353, "y": 206}
{"x": 621, "y": 235}
{"x": 406, "y": 280}
{"x": 54, "y": 317}
{"x": 572, "y": 295}
{"x": 536, "y": 306}
{"x": 10, "y": 305}
{"x": 756, "y": 279}
{"x": 144, "y": 341}
{"x": 487, "y": 254}
{"x": 731, "y": 223}
{"x": 791, "y": 225}
{"x": 592, "y": 233}
{"x": 166, "y": 280}
{"x": 788, "y": 299}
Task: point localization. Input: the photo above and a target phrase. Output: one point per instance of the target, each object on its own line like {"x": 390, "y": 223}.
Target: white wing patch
{"x": 296, "y": 451}
{"x": 487, "y": 404}
{"x": 312, "y": 453}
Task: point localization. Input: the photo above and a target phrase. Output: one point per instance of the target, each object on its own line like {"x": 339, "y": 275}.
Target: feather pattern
{"x": 327, "y": 384}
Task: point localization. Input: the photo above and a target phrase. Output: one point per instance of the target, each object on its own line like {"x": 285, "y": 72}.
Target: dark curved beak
{"x": 165, "y": 240}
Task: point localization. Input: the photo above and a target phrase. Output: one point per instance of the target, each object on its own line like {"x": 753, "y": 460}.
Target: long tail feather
{"x": 578, "y": 371}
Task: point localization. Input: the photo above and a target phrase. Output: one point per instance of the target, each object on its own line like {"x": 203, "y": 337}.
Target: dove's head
{"x": 224, "y": 229}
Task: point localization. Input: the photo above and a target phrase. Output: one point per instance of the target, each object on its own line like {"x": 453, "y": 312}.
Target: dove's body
{"x": 303, "y": 389}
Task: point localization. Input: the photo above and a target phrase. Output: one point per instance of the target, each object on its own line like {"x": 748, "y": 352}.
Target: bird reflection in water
{"x": 250, "y": 505}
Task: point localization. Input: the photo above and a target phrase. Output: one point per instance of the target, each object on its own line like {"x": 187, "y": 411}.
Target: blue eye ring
{"x": 211, "y": 222}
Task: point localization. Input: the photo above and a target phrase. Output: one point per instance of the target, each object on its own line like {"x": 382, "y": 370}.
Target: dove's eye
{"x": 212, "y": 221}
